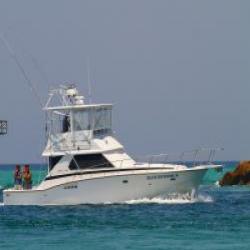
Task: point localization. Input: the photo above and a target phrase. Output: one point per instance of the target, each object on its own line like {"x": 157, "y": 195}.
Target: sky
{"x": 176, "y": 71}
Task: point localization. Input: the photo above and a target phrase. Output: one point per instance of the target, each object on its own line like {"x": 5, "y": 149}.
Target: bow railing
{"x": 190, "y": 158}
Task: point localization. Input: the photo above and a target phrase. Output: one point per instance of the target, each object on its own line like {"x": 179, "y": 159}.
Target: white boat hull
{"x": 110, "y": 189}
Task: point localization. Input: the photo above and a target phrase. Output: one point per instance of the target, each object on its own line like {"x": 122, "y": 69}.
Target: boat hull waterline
{"x": 110, "y": 189}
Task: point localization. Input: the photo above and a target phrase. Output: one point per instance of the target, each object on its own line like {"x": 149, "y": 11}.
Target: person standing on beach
{"x": 27, "y": 177}
{"x": 18, "y": 178}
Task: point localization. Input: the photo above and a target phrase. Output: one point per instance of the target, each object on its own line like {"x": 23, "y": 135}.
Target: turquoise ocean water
{"x": 219, "y": 218}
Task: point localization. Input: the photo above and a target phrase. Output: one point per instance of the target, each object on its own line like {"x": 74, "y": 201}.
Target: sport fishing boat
{"x": 87, "y": 164}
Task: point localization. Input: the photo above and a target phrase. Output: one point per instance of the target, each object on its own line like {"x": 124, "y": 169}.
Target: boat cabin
{"x": 80, "y": 133}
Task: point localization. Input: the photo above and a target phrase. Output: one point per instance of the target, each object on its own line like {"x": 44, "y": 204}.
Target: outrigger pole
{"x": 21, "y": 68}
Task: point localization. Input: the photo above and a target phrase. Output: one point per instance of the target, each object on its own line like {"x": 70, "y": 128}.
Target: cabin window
{"x": 89, "y": 161}
{"x": 103, "y": 118}
{"x": 97, "y": 119}
{"x": 53, "y": 161}
{"x": 82, "y": 120}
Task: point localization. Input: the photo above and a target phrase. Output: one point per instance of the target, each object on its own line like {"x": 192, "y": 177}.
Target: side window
{"x": 53, "y": 161}
{"x": 89, "y": 161}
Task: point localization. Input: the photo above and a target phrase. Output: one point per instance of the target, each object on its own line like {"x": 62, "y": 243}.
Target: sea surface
{"x": 219, "y": 218}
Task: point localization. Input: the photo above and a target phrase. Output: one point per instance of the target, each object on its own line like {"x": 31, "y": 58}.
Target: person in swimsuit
{"x": 18, "y": 178}
{"x": 27, "y": 177}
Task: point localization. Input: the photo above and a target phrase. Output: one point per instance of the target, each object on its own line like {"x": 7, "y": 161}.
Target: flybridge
{"x": 72, "y": 123}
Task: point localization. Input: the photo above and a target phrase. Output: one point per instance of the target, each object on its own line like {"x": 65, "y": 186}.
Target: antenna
{"x": 89, "y": 82}
{"x": 21, "y": 68}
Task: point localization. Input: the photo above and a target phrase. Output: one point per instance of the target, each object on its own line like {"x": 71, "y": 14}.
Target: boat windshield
{"x": 96, "y": 119}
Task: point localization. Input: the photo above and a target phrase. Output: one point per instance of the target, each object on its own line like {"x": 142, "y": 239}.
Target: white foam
{"x": 178, "y": 199}
{"x": 217, "y": 184}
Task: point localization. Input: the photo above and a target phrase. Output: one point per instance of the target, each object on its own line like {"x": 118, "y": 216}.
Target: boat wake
{"x": 173, "y": 199}
{"x": 178, "y": 199}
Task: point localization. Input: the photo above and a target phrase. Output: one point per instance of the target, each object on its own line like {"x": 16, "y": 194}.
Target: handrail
{"x": 180, "y": 158}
